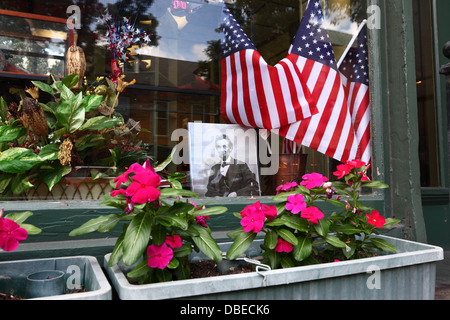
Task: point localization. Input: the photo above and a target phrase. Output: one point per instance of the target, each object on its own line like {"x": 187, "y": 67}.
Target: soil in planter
{"x": 208, "y": 268}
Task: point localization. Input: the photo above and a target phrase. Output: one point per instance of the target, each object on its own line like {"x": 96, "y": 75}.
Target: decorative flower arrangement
{"x": 13, "y": 230}
{"x": 296, "y": 230}
{"x": 120, "y": 34}
{"x": 45, "y": 141}
{"x": 160, "y": 232}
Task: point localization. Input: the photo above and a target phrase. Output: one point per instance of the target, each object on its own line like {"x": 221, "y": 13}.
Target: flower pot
{"x": 65, "y": 278}
{"x": 45, "y": 283}
{"x": 408, "y": 274}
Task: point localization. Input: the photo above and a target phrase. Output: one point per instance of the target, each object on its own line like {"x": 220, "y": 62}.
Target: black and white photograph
{"x": 223, "y": 160}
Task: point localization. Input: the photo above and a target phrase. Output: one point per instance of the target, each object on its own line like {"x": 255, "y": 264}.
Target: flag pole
{"x": 363, "y": 23}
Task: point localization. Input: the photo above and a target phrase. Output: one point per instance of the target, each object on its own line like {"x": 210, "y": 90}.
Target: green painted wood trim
{"x": 394, "y": 111}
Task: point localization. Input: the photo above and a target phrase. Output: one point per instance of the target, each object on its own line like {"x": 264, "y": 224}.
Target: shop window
{"x": 178, "y": 72}
{"x": 426, "y": 94}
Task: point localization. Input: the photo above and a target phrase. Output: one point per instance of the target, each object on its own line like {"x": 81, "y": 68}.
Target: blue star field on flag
{"x": 235, "y": 38}
{"x": 312, "y": 40}
{"x": 356, "y": 64}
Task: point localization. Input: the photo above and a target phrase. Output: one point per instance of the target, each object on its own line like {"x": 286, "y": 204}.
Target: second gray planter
{"x": 408, "y": 274}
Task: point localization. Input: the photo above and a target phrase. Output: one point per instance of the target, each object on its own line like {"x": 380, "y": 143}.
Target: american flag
{"x": 330, "y": 131}
{"x": 255, "y": 94}
{"x": 355, "y": 74}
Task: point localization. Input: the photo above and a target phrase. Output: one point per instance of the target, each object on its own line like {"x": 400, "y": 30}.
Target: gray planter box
{"x": 84, "y": 271}
{"x": 408, "y": 274}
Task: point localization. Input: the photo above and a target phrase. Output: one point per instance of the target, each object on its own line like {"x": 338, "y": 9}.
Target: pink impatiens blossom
{"x": 143, "y": 188}
{"x": 342, "y": 170}
{"x": 286, "y": 187}
{"x": 376, "y": 219}
{"x": 355, "y": 164}
{"x": 296, "y": 203}
{"x": 174, "y": 241}
{"x": 313, "y": 180}
{"x": 253, "y": 219}
{"x": 283, "y": 246}
{"x": 134, "y": 168}
{"x": 11, "y": 234}
{"x": 159, "y": 256}
{"x": 256, "y": 205}
{"x": 269, "y": 211}
{"x": 312, "y": 214}
{"x": 201, "y": 220}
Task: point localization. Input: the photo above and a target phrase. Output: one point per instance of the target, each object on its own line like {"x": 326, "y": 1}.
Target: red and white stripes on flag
{"x": 355, "y": 74}
{"x": 330, "y": 131}
{"x": 255, "y": 94}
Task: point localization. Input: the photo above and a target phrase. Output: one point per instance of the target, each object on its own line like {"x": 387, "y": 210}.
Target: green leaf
{"x": 3, "y": 111}
{"x": 136, "y": 238}
{"x": 5, "y": 179}
{"x": 166, "y": 162}
{"x": 89, "y": 141}
{"x": 20, "y": 183}
{"x": 207, "y": 245}
{"x": 99, "y": 123}
{"x": 336, "y": 203}
{"x": 174, "y": 193}
{"x": 117, "y": 253}
{"x": 390, "y": 222}
{"x": 32, "y": 230}
{"x": 271, "y": 239}
{"x": 348, "y": 229}
{"x": 53, "y": 175}
{"x": 288, "y": 236}
{"x": 90, "y": 226}
{"x": 19, "y": 217}
{"x": 295, "y": 222}
{"x": 335, "y": 242}
{"x": 49, "y": 152}
{"x": 287, "y": 262}
{"x": 110, "y": 223}
{"x": 70, "y": 81}
{"x": 375, "y": 185}
{"x": 43, "y": 86}
{"x": 140, "y": 270}
{"x": 241, "y": 243}
{"x": 322, "y": 228}
{"x": 383, "y": 244}
{"x": 173, "y": 264}
{"x": 210, "y": 211}
{"x": 92, "y": 102}
{"x": 303, "y": 249}
{"x": 9, "y": 133}
{"x": 182, "y": 251}
{"x": 158, "y": 234}
{"x": 71, "y": 114}
{"x": 17, "y": 160}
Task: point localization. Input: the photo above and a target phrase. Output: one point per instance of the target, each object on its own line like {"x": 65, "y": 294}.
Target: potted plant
{"x": 158, "y": 234}
{"x": 65, "y": 278}
{"x": 305, "y": 254}
{"x": 44, "y": 141}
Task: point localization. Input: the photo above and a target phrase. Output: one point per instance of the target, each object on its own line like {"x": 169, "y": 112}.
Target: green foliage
{"x": 82, "y": 118}
{"x": 152, "y": 225}
{"x": 296, "y": 239}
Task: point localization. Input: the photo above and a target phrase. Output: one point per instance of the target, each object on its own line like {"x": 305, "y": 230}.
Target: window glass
{"x": 178, "y": 72}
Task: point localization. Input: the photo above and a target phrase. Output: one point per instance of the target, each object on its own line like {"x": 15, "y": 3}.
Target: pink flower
{"x": 356, "y": 164}
{"x": 134, "y": 168}
{"x": 269, "y": 211}
{"x": 201, "y": 220}
{"x": 286, "y": 187}
{"x": 342, "y": 170}
{"x": 159, "y": 256}
{"x": 174, "y": 241}
{"x": 312, "y": 214}
{"x": 296, "y": 203}
{"x": 10, "y": 234}
{"x": 375, "y": 219}
{"x": 283, "y": 246}
{"x": 256, "y": 205}
{"x": 143, "y": 188}
{"x": 313, "y": 180}
{"x": 253, "y": 220}
{"x": 117, "y": 192}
